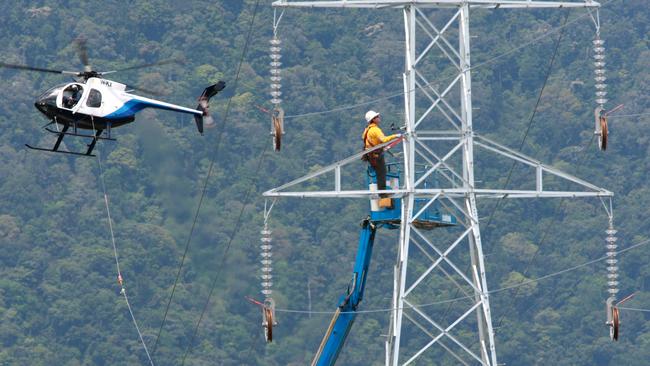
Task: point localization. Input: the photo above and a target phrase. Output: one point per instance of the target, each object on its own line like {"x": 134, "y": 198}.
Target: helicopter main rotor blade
{"x": 39, "y": 69}
{"x": 163, "y": 62}
{"x": 83, "y": 52}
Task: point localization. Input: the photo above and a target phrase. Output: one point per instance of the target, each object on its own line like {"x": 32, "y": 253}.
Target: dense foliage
{"x": 59, "y": 301}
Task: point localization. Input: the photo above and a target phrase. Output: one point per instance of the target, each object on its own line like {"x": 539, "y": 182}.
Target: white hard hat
{"x": 370, "y": 115}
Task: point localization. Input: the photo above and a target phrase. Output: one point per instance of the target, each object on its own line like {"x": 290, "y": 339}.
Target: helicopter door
{"x": 81, "y": 101}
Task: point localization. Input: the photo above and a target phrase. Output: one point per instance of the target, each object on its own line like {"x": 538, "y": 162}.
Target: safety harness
{"x": 373, "y": 155}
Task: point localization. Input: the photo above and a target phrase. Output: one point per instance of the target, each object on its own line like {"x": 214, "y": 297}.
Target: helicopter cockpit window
{"x": 94, "y": 99}
{"x": 49, "y": 96}
{"x": 71, "y": 95}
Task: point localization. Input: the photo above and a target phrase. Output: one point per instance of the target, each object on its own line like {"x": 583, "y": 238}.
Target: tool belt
{"x": 371, "y": 156}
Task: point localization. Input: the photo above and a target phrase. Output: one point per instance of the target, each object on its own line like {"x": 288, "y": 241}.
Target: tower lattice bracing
{"x": 440, "y": 300}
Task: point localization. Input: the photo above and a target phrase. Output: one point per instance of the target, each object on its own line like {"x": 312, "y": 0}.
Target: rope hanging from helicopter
{"x": 120, "y": 278}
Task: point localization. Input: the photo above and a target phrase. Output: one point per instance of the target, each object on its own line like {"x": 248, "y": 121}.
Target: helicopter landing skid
{"x": 61, "y": 134}
{"x": 57, "y": 151}
{"x": 79, "y": 135}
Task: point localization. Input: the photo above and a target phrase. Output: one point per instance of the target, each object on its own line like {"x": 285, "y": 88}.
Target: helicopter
{"x": 91, "y": 102}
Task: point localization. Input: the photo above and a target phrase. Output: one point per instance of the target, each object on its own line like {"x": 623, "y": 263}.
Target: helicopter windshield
{"x": 51, "y": 94}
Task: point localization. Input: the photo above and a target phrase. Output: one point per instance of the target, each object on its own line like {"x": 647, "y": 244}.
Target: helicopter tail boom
{"x": 204, "y": 106}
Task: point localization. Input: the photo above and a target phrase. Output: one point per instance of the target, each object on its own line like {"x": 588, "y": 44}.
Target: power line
{"x": 382, "y": 310}
{"x": 517, "y": 286}
{"x": 544, "y": 235}
{"x": 560, "y": 28}
{"x": 628, "y": 115}
{"x": 209, "y": 174}
{"x": 549, "y": 226}
{"x": 634, "y": 309}
{"x": 481, "y": 64}
{"x": 523, "y": 283}
{"x": 532, "y": 116}
{"x": 237, "y": 225}
{"x": 523, "y": 140}
{"x": 222, "y": 264}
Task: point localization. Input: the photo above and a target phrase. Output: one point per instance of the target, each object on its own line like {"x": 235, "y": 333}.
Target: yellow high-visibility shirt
{"x": 375, "y": 136}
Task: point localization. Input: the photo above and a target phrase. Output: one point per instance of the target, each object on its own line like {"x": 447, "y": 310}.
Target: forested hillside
{"x": 60, "y": 303}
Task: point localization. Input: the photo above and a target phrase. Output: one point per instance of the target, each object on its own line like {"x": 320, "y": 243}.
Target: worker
{"x": 373, "y": 136}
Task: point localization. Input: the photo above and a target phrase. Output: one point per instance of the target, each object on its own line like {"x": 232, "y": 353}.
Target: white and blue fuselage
{"x": 98, "y": 103}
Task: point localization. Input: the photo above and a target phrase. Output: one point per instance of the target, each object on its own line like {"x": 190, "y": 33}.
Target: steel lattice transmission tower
{"x": 437, "y": 118}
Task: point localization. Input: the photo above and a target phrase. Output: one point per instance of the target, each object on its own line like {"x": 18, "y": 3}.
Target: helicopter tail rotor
{"x": 206, "y": 119}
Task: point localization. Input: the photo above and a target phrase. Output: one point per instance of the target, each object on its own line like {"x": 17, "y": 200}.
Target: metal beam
{"x": 380, "y": 4}
{"x": 449, "y": 192}
{"x": 591, "y": 190}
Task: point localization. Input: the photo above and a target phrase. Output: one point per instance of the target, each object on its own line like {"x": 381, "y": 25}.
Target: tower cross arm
{"x": 377, "y": 4}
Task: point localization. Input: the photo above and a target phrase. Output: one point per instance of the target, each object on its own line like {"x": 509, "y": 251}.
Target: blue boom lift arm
{"x": 343, "y": 319}
{"x": 389, "y": 218}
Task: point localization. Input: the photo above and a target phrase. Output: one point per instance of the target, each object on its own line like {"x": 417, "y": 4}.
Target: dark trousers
{"x": 379, "y": 165}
